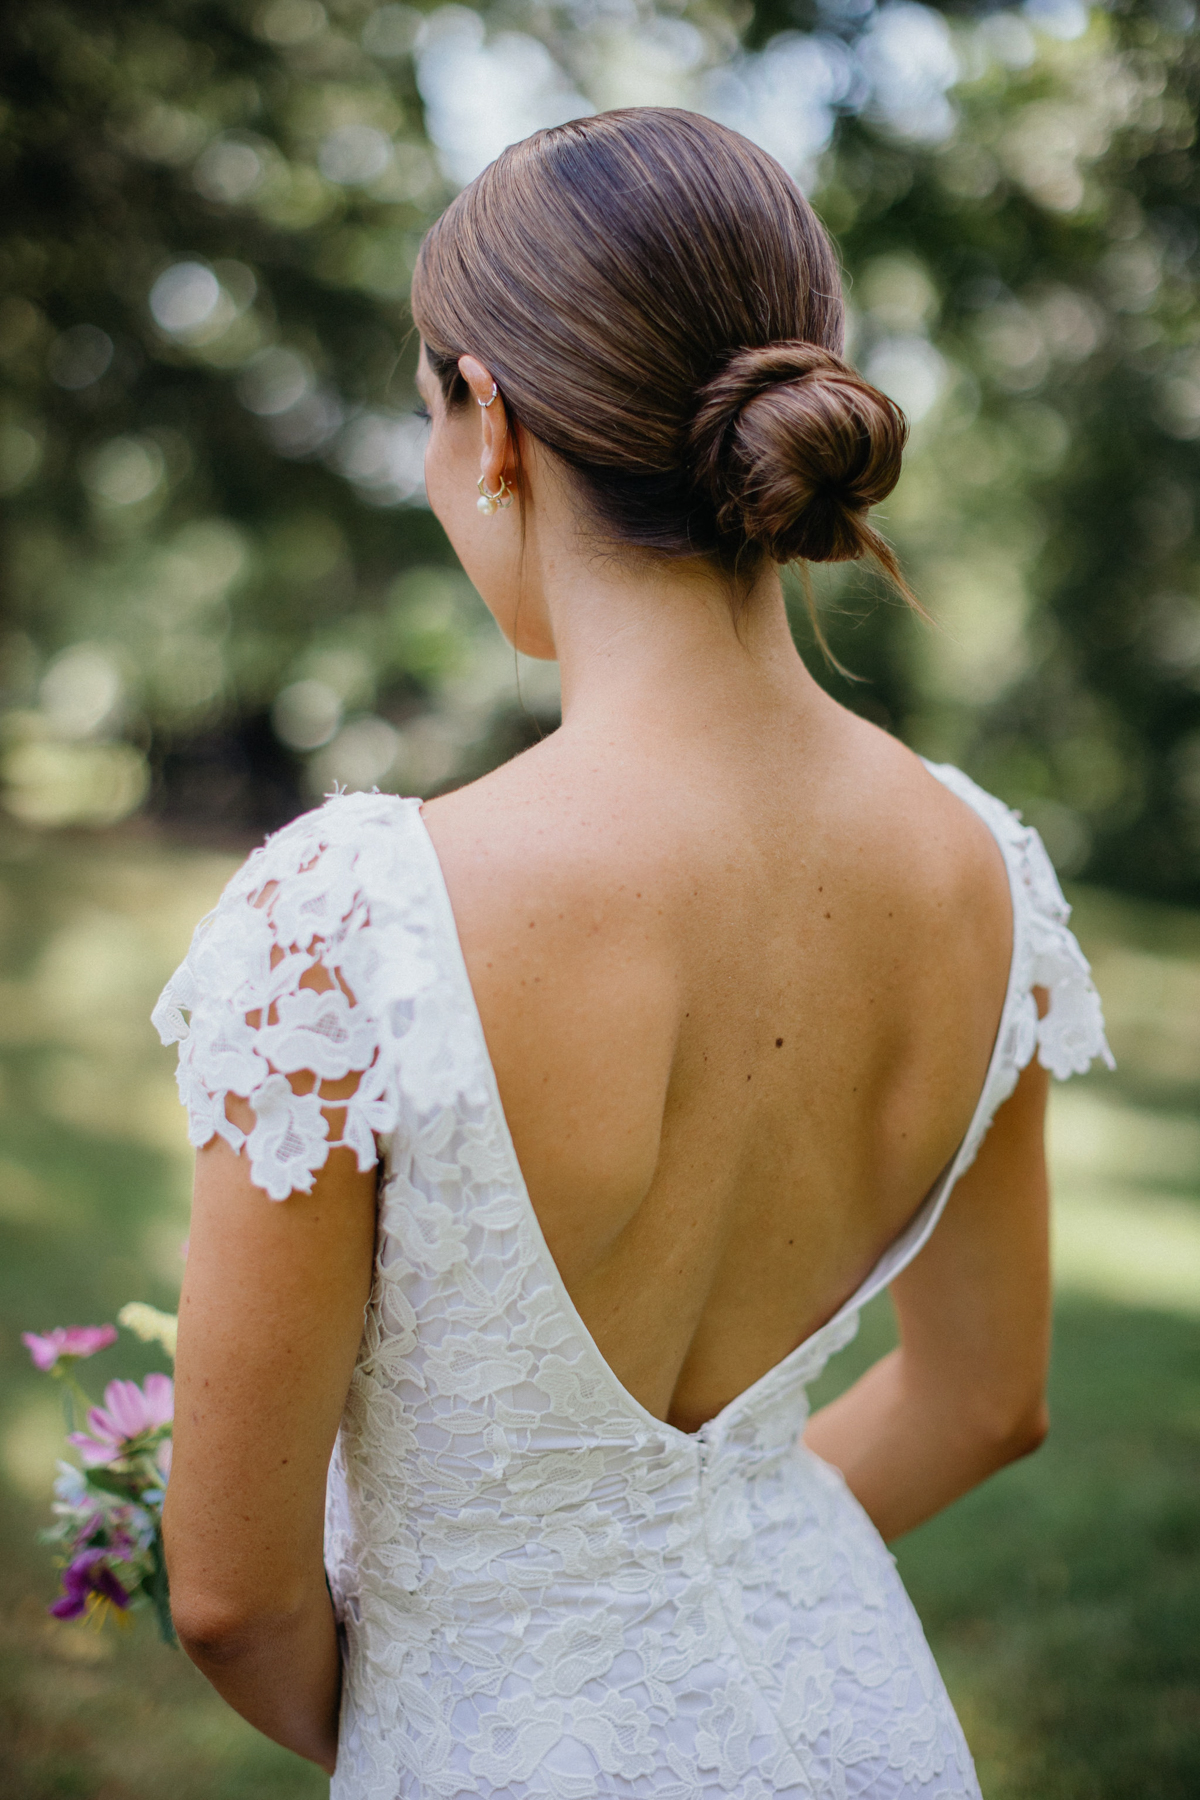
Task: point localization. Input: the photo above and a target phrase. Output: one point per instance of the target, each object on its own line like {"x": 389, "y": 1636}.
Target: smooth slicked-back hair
{"x": 661, "y": 308}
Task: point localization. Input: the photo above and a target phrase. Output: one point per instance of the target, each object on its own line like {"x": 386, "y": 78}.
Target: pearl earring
{"x": 491, "y": 503}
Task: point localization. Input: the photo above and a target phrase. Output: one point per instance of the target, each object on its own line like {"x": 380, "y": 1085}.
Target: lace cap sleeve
{"x": 1070, "y": 1037}
{"x": 282, "y": 994}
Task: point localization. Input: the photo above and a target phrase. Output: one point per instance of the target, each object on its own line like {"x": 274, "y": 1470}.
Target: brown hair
{"x": 660, "y": 306}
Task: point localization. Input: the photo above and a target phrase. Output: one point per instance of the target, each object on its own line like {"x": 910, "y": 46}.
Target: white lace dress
{"x": 544, "y": 1590}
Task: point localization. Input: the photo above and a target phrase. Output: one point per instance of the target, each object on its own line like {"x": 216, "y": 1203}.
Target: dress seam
{"x": 771, "y": 1711}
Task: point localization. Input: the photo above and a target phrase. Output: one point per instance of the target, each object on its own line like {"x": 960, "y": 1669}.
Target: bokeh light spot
{"x": 124, "y": 471}
{"x": 184, "y": 297}
{"x": 290, "y": 22}
{"x": 306, "y": 714}
{"x": 81, "y": 691}
{"x": 229, "y": 170}
{"x": 274, "y": 380}
{"x": 80, "y": 356}
{"x": 391, "y": 32}
{"x": 354, "y": 154}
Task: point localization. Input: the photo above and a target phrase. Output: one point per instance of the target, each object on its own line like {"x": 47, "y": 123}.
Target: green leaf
{"x": 109, "y": 1481}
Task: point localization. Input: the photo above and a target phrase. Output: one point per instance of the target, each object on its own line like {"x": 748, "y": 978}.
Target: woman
{"x": 612, "y": 1085}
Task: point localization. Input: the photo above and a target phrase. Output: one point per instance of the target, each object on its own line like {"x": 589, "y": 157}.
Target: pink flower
{"x": 128, "y": 1411}
{"x": 67, "y": 1341}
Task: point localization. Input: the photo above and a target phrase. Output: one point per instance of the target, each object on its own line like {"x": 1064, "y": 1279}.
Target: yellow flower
{"x": 152, "y": 1326}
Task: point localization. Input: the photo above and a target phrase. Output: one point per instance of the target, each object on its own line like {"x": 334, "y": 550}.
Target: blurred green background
{"x": 223, "y": 592}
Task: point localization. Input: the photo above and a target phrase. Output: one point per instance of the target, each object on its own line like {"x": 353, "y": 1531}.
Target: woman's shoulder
{"x": 1037, "y": 898}
{"x": 919, "y": 830}
{"x": 331, "y": 942}
{"x": 1067, "y": 1031}
{"x": 546, "y": 836}
{"x": 946, "y": 835}
{"x": 344, "y": 839}
{"x": 305, "y": 891}
{"x": 973, "y": 870}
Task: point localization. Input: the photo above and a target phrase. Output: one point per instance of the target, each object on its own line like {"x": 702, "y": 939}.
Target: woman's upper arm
{"x": 270, "y": 1323}
{"x": 285, "y": 1074}
{"x": 974, "y": 1306}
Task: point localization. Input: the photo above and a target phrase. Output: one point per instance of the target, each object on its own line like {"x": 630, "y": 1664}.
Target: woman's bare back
{"x": 740, "y": 1001}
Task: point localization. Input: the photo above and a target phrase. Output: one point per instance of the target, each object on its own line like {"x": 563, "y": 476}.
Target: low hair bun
{"x": 791, "y": 448}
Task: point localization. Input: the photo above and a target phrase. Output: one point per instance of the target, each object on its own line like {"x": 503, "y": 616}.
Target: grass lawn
{"x": 1062, "y": 1600}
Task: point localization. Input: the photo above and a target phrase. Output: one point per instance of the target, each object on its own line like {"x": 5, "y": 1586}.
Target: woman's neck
{"x": 654, "y": 648}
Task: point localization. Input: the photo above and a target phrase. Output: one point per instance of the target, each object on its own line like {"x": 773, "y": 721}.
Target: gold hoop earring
{"x": 491, "y": 503}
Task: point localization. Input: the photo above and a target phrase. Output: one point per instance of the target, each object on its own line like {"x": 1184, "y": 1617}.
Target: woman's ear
{"x": 497, "y": 459}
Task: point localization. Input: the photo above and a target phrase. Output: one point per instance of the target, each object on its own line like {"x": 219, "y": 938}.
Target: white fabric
{"x": 545, "y": 1590}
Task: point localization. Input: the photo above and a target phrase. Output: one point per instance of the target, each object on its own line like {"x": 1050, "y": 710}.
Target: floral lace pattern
{"x": 545, "y": 1590}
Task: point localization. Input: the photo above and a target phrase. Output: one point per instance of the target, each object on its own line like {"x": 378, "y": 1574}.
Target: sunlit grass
{"x": 1062, "y": 1599}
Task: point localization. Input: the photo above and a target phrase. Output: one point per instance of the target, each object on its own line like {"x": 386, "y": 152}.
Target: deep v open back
{"x": 545, "y": 1590}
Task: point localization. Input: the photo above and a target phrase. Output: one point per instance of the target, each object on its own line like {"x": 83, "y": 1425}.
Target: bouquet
{"x": 108, "y": 1511}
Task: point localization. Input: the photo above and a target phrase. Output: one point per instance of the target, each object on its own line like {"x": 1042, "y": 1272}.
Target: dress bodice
{"x": 545, "y": 1589}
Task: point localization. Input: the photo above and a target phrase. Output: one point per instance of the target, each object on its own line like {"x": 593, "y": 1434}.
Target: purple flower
{"x": 87, "y": 1574}
{"x": 67, "y": 1341}
{"x": 128, "y": 1411}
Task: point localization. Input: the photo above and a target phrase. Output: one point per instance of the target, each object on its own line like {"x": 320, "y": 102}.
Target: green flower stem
{"x": 73, "y": 1394}
{"x": 160, "y": 1591}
